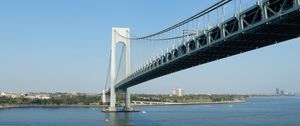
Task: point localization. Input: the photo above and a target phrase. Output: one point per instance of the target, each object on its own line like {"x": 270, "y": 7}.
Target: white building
{"x": 37, "y": 96}
{"x": 178, "y": 92}
{"x": 2, "y": 94}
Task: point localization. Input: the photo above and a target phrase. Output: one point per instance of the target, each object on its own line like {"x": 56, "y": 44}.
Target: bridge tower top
{"x": 120, "y": 35}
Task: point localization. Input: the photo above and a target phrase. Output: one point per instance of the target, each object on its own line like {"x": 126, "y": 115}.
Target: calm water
{"x": 263, "y": 111}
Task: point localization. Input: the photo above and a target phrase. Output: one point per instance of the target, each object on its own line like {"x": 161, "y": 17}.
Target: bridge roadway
{"x": 266, "y": 23}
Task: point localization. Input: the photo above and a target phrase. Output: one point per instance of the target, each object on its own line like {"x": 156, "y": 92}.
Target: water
{"x": 261, "y": 111}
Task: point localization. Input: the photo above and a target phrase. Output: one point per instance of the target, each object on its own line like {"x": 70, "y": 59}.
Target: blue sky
{"x": 63, "y": 45}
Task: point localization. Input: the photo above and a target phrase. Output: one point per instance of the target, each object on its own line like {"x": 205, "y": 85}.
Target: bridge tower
{"x": 119, "y": 35}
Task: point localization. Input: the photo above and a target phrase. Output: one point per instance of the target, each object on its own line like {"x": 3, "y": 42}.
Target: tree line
{"x": 56, "y": 100}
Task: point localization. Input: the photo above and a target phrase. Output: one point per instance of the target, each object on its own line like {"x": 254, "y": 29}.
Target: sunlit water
{"x": 261, "y": 111}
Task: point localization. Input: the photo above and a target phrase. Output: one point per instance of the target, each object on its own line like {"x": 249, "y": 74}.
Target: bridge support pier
{"x": 127, "y": 106}
{"x": 112, "y": 104}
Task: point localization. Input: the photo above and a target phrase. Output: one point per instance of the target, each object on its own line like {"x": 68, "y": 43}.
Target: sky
{"x": 63, "y": 46}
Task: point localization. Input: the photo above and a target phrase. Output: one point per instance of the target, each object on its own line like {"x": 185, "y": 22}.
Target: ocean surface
{"x": 259, "y": 111}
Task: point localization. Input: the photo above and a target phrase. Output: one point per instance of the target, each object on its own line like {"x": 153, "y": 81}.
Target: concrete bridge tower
{"x": 119, "y": 35}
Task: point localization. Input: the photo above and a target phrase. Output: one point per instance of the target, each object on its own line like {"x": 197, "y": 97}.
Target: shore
{"x": 102, "y": 106}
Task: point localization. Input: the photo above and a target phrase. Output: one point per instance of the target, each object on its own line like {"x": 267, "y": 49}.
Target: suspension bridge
{"x": 227, "y": 28}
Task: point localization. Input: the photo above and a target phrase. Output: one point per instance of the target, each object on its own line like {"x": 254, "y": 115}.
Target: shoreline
{"x": 103, "y": 106}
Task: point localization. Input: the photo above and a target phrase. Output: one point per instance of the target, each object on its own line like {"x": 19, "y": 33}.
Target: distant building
{"x": 282, "y": 92}
{"x": 37, "y": 96}
{"x": 178, "y": 92}
{"x": 11, "y": 95}
{"x": 277, "y": 91}
{"x": 73, "y": 93}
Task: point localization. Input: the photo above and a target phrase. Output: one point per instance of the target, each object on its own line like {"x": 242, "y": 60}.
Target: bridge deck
{"x": 259, "y": 26}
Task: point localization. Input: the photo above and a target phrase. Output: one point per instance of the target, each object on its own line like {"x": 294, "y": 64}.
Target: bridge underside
{"x": 201, "y": 50}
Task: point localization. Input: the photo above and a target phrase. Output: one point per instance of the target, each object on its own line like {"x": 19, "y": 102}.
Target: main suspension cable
{"x": 206, "y": 11}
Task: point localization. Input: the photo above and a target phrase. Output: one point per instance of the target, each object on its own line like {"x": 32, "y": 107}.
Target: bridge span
{"x": 264, "y": 23}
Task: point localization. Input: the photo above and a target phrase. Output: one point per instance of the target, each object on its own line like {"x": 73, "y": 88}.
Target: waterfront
{"x": 259, "y": 111}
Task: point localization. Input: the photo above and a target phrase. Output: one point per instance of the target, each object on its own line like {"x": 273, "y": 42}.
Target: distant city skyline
{"x": 63, "y": 46}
